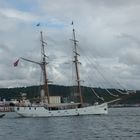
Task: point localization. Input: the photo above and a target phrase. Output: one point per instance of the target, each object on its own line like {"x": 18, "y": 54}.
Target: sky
{"x": 108, "y": 33}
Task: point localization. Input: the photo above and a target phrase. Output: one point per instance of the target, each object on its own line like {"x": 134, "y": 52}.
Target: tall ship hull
{"x": 41, "y": 111}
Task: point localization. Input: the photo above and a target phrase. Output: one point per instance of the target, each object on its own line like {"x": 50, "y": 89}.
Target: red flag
{"x": 16, "y": 63}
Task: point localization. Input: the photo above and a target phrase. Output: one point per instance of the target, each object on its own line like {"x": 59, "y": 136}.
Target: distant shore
{"x": 124, "y": 105}
{"x": 11, "y": 108}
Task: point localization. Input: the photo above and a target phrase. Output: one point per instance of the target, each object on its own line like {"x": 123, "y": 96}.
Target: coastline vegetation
{"x": 33, "y": 93}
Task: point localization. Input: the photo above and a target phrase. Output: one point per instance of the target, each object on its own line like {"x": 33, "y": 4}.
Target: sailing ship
{"x": 47, "y": 109}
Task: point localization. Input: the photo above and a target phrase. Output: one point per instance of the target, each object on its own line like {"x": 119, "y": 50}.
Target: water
{"x": 119, "y": 124}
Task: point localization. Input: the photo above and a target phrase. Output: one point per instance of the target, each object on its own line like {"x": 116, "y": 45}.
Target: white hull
{"x": 41, "y": 111}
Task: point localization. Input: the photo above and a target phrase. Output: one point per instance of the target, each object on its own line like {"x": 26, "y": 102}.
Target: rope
{"x": 101, "y": 98}
{"x": 97, "y": 69}
{"x": 111, "y": 93}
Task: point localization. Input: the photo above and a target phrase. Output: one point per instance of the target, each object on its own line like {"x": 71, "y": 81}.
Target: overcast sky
{"x": 109, "y": 41}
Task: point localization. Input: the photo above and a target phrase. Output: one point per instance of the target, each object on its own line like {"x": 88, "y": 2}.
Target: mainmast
{"x": 76, "y": 66}
{"x": 43, "y": 66}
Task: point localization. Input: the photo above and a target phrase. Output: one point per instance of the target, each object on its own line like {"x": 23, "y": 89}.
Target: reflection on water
{"x": 119, "y": 124}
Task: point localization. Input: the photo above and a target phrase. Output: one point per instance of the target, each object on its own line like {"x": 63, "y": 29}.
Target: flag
{"x": 72, "y": 23}
{"x": 38, "y": 24}
{"x": 16, "y": 63}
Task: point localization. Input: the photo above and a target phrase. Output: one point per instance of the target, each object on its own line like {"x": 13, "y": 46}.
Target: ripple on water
{"x": 119, "y": 124}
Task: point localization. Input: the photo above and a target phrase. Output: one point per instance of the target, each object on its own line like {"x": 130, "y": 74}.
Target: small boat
{"x": 2, "y": 115}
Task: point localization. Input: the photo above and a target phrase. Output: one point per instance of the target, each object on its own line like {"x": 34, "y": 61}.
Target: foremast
{"x": 76, "y": 62}
{"x": 43, "y": 65}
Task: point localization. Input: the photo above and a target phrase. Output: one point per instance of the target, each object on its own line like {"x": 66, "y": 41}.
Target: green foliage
{"x": 33, "y": 92}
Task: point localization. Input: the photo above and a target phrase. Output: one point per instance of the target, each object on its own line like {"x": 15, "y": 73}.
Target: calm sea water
{"x": 119, "y": 124}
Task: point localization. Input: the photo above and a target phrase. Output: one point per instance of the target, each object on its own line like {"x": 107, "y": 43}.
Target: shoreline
{"x": 11, "y": 108}
{"x": 124, "y": 105}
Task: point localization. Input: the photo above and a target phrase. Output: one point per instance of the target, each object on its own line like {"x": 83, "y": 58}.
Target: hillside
{"x": 65, "y": 92}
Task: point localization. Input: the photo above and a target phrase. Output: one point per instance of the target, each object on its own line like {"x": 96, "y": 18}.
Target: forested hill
{"x": 66, "y": 93}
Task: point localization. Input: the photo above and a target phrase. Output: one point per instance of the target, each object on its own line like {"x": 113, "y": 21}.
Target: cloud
{"x": 20, "y": 15}
{"x": 108, "y": 34}
{"x": 130, "y": 56}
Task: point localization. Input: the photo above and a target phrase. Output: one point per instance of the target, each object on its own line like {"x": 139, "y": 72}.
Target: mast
{"x": 43, "y": 66}
{"x": 76, "y": 65}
